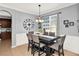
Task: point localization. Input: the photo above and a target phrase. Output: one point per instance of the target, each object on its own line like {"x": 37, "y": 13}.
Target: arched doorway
{"x": 5, "y": 29}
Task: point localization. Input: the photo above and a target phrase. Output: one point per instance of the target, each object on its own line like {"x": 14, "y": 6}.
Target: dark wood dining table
{"x": 47, "y": 40}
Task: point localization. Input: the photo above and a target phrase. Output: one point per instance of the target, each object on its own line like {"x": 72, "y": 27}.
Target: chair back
{"x": 51, "y": 34}
{"x": 31, "y": 32}
{"x": 45, "y": 33}
{"x": 29, "y": 35}
{"x": 61, "y": 40}
{"x": 35, "y": 38}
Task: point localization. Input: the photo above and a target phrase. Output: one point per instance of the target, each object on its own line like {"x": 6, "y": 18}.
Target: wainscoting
{"x": 71, "y": 42}
{"x": 21, "y": 39}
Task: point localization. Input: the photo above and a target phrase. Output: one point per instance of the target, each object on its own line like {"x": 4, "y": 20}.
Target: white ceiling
{"x": 32, "y": 8}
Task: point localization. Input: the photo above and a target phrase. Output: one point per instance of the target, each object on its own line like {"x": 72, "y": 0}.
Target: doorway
{"x": 5, "y": 30}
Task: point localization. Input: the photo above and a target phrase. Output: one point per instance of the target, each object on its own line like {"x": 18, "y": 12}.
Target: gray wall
{"x": 70, "y": 13}
{"x": 17, "y": 22}
{"x": 21, "y": 17}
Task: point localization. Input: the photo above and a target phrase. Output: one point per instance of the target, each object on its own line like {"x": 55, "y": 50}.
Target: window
{"x": 50, "y": 23}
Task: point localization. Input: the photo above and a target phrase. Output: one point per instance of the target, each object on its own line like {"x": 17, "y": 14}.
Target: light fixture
{"x": 39, "y": 18}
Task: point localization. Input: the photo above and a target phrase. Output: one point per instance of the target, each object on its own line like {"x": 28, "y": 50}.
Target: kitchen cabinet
{"x": 5, "y": 28}
{"x": 5, "y": 35}
{"x": 5, "y": 23}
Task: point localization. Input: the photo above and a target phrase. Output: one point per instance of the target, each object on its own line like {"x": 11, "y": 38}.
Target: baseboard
{"x": 72, "y": 52}
{"x": 21, "y": 44}
{"x": 13, "y": 46}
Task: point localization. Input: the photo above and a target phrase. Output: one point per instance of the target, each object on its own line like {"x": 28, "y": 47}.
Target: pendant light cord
{"x": 39, "y": 10}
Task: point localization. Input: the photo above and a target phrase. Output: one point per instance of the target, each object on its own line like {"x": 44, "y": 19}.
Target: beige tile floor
{"x": 6, "y": 50}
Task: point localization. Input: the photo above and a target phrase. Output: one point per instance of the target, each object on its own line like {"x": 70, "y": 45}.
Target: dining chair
{"x": 51, "y": 34}
{"x": 45, "y": 33}
{"x": 58, "y": 46}
{"x": 29, "y": 36}
{"x": 36, "y": 46}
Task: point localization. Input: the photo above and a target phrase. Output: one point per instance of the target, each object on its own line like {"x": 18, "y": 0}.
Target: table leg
{"x": 47, "y": 51}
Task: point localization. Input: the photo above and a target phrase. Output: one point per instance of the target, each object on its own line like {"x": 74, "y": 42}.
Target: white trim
{"x": 13, "y": 46}
{"x": 6, "y": 17}
{"x": 17, "y": 9}
{"x": 22, "y": 44}
{"x": 35, "y": 12}
{"x": 21, "y": 39}
{"x": 71, "y": 43}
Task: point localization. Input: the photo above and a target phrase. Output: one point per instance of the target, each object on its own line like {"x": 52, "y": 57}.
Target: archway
{"x": 5, "y": 27}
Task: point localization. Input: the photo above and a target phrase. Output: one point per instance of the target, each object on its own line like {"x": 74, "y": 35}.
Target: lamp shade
{"x": 39, "y": 19}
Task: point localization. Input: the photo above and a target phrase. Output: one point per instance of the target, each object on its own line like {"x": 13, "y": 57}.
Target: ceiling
{"x": 32, "y": 8}
{"x": 4, "y": 13}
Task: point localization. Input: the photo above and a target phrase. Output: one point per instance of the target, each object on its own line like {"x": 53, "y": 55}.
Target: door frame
{"x": 11, "y": 22}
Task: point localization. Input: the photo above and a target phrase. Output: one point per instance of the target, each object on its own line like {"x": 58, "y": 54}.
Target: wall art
{"x": 71, "y": 23}
{"x": 66, "y": 22}
{"x": 28, "y": 24}
{"x": 67, "y": 25}
{"x": 78, "y": 25}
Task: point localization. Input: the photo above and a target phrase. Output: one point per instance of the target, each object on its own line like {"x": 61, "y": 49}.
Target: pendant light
{"x": 39, "y": 18}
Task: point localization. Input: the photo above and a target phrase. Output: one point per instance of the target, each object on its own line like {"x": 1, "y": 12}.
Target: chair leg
{"x": 59, "y": 52}
{"x": 32, "y": 50}
{"x": 33, "y": 53}
{"x": 62, "y": 51}
{"x": 39, "y": 53}
{"x": 28, "y": 47}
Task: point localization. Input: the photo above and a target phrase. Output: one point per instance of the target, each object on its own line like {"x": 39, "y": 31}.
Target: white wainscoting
{"x": 21, "y": 39}
{"x": 72, "y": 43}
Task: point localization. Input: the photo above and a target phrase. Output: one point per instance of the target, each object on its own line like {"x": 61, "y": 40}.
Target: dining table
{"x": 47, "y": 41}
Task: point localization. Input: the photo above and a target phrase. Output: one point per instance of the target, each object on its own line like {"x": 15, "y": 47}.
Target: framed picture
{"x": 66, "y": 22}
{"x": 77, "y": 21}
{"x": 67, "y": 25}
{"x": 71, "y": 23}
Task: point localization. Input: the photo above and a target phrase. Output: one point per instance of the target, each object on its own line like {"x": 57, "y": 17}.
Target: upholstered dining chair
{"x": 29, "y": 36}
{"x": 37, "y": 46}
{"x": 58, "y": 46}
{"x": 45, "y": 33}
{"x": 51, "y": 33}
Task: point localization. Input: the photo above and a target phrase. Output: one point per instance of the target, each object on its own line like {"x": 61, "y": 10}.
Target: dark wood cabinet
{"x": 5, "y": 23}
{"x": 5, "y": 35}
